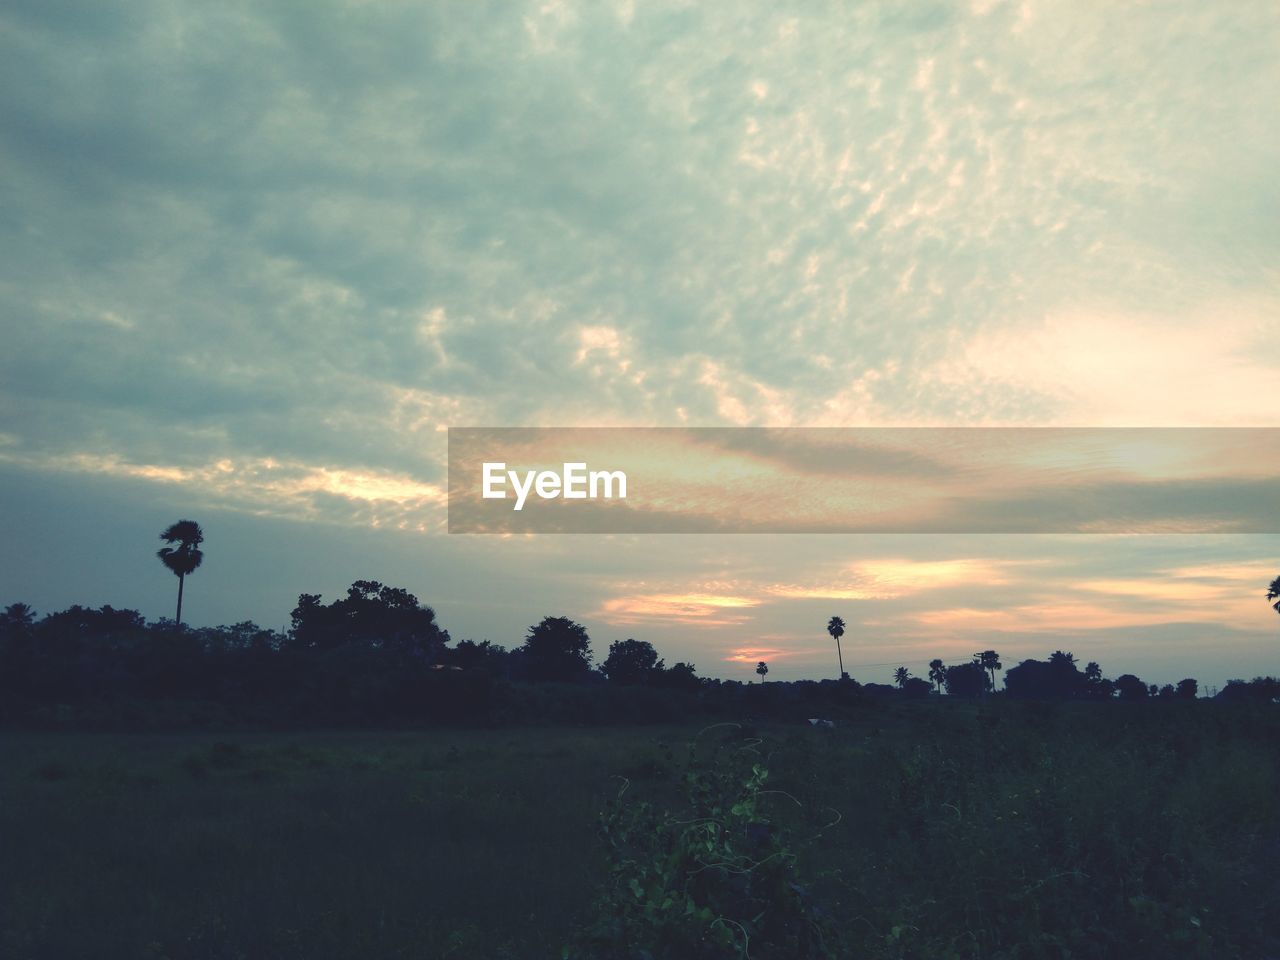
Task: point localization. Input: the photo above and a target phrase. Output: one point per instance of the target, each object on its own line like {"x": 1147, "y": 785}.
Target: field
{"x": 944, "y": 830}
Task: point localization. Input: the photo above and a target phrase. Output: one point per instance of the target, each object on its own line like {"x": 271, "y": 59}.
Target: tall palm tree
{"x": 901, "y": 676}
{"x": 937, "y": 673}
{"x": 185, "y": 557}
{"x": 989, "y": 660}
{"x": 835, "y": 627}
{"x": 762, "y": 668}
{"x": 1273, "y": 593}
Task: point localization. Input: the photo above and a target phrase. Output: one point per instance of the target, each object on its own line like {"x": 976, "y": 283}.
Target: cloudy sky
{"x": 255, "y": 259}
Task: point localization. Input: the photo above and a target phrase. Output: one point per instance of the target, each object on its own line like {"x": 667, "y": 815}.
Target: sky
{"x": 256, "y": 259}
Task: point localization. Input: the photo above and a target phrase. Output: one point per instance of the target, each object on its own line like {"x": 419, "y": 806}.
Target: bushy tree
{"x": 487, "y": 657}
{"x": 680, "y": 676}
{"x": 370, "y": 615}
{"x": 967, "y": 680}
{"x": 916, "y": 689}
{"x": 1188, "y": 689}
{"x": 1259, "y": 688}
{"x": 631, "y": 662}
{"x": 1038, "y": 680}
{"x": 1131, "y": 688}
{"x": 556, "y": 649}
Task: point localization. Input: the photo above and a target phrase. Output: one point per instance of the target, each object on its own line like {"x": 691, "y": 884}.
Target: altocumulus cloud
{"x": 300, "y": 239}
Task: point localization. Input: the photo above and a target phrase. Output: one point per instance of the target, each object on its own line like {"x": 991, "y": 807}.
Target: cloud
{"x": 691, "y": 609}
{"x": 314, "y": 235}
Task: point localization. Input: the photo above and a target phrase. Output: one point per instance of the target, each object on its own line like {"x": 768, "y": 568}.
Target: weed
{"x": 715, "y": 879}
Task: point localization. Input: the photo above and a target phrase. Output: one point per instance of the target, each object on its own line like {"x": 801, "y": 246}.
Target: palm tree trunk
{"x": 181, "y": 580}
{"x": 841, "y": 656}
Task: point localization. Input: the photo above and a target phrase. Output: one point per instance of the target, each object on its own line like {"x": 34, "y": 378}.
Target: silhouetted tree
{"x": 937, "y": 673}
{"x": 1259, "y": 688}
{"x": 631, "y": 662}
{"x": 680, "y": 676}
{"x": 835, "y": 627}
{"x": 557, "y": 649}
{"x": 17, "y": 617}
{"x": 967, "y": 680}
{"x": 371, "y": 616}
{"x": 1131, "y": 688}
{"x": 1273, "y": 594}
{"x": 185, "y": 557}
{"x": 1092, "y": 672}
{"x": 916, "y": 689}
{"x": 989, "y": 660}
{"x": 17, "y": 649}
{"x": 762, "y": 668}
{"x": 1187, "y": 689}
{"x": 484, "y": 656}
{"x": 901, "y": 676}
{"x": 1038, "y": 680}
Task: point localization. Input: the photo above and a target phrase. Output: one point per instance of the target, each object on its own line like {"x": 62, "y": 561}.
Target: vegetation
{"x": 944, "y": 828}
{"x": 835, "y": 627}
{"x": 1067, "y": 815}
{"x": 185, "y": 557}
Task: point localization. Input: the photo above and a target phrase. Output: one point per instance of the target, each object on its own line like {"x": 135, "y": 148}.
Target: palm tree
{"x": 18, "y": 616}
{"x": 835, "y": 627}
{"x": 1273, "y": 593}
{"x": 901, "y": 676}
{"x": 185, "y": 557}
{"x": 937, "y": 673}
{"x": 989, "y": 660}
{"x": 762, "y": 668}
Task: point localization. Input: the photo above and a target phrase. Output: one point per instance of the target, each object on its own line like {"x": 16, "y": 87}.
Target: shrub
{"x": 717, "y": 879}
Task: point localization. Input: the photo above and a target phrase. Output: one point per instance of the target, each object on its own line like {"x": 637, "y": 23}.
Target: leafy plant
{"x": 714, "y": 879}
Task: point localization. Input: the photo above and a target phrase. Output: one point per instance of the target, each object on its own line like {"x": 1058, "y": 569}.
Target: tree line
{"x": 377, "y": 653}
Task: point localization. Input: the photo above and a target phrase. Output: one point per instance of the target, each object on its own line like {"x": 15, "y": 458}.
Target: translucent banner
{"x": 863, "y": 480}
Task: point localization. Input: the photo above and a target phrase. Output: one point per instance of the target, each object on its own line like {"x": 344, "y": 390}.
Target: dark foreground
{"x": 943, "y": 830}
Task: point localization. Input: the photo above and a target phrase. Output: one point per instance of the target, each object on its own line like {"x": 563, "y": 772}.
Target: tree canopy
{"x": 556, "y": 649}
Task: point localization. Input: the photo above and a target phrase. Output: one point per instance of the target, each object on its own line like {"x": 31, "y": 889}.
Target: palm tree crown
{"x": 1273, "y": 593}
{"x": 185, "y": 557}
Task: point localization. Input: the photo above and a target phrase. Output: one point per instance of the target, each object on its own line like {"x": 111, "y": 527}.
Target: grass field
{"x": 997, "y": 830}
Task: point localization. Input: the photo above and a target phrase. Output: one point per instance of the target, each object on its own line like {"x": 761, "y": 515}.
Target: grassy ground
{"x": 991, "y": 831}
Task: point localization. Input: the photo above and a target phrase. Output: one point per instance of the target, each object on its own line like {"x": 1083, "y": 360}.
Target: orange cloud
{"x": 1166, "y": 591}
{"x": 756, "y": 654}
{"x": 701, "y": 609}
{"x": 1079, "y": 616}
